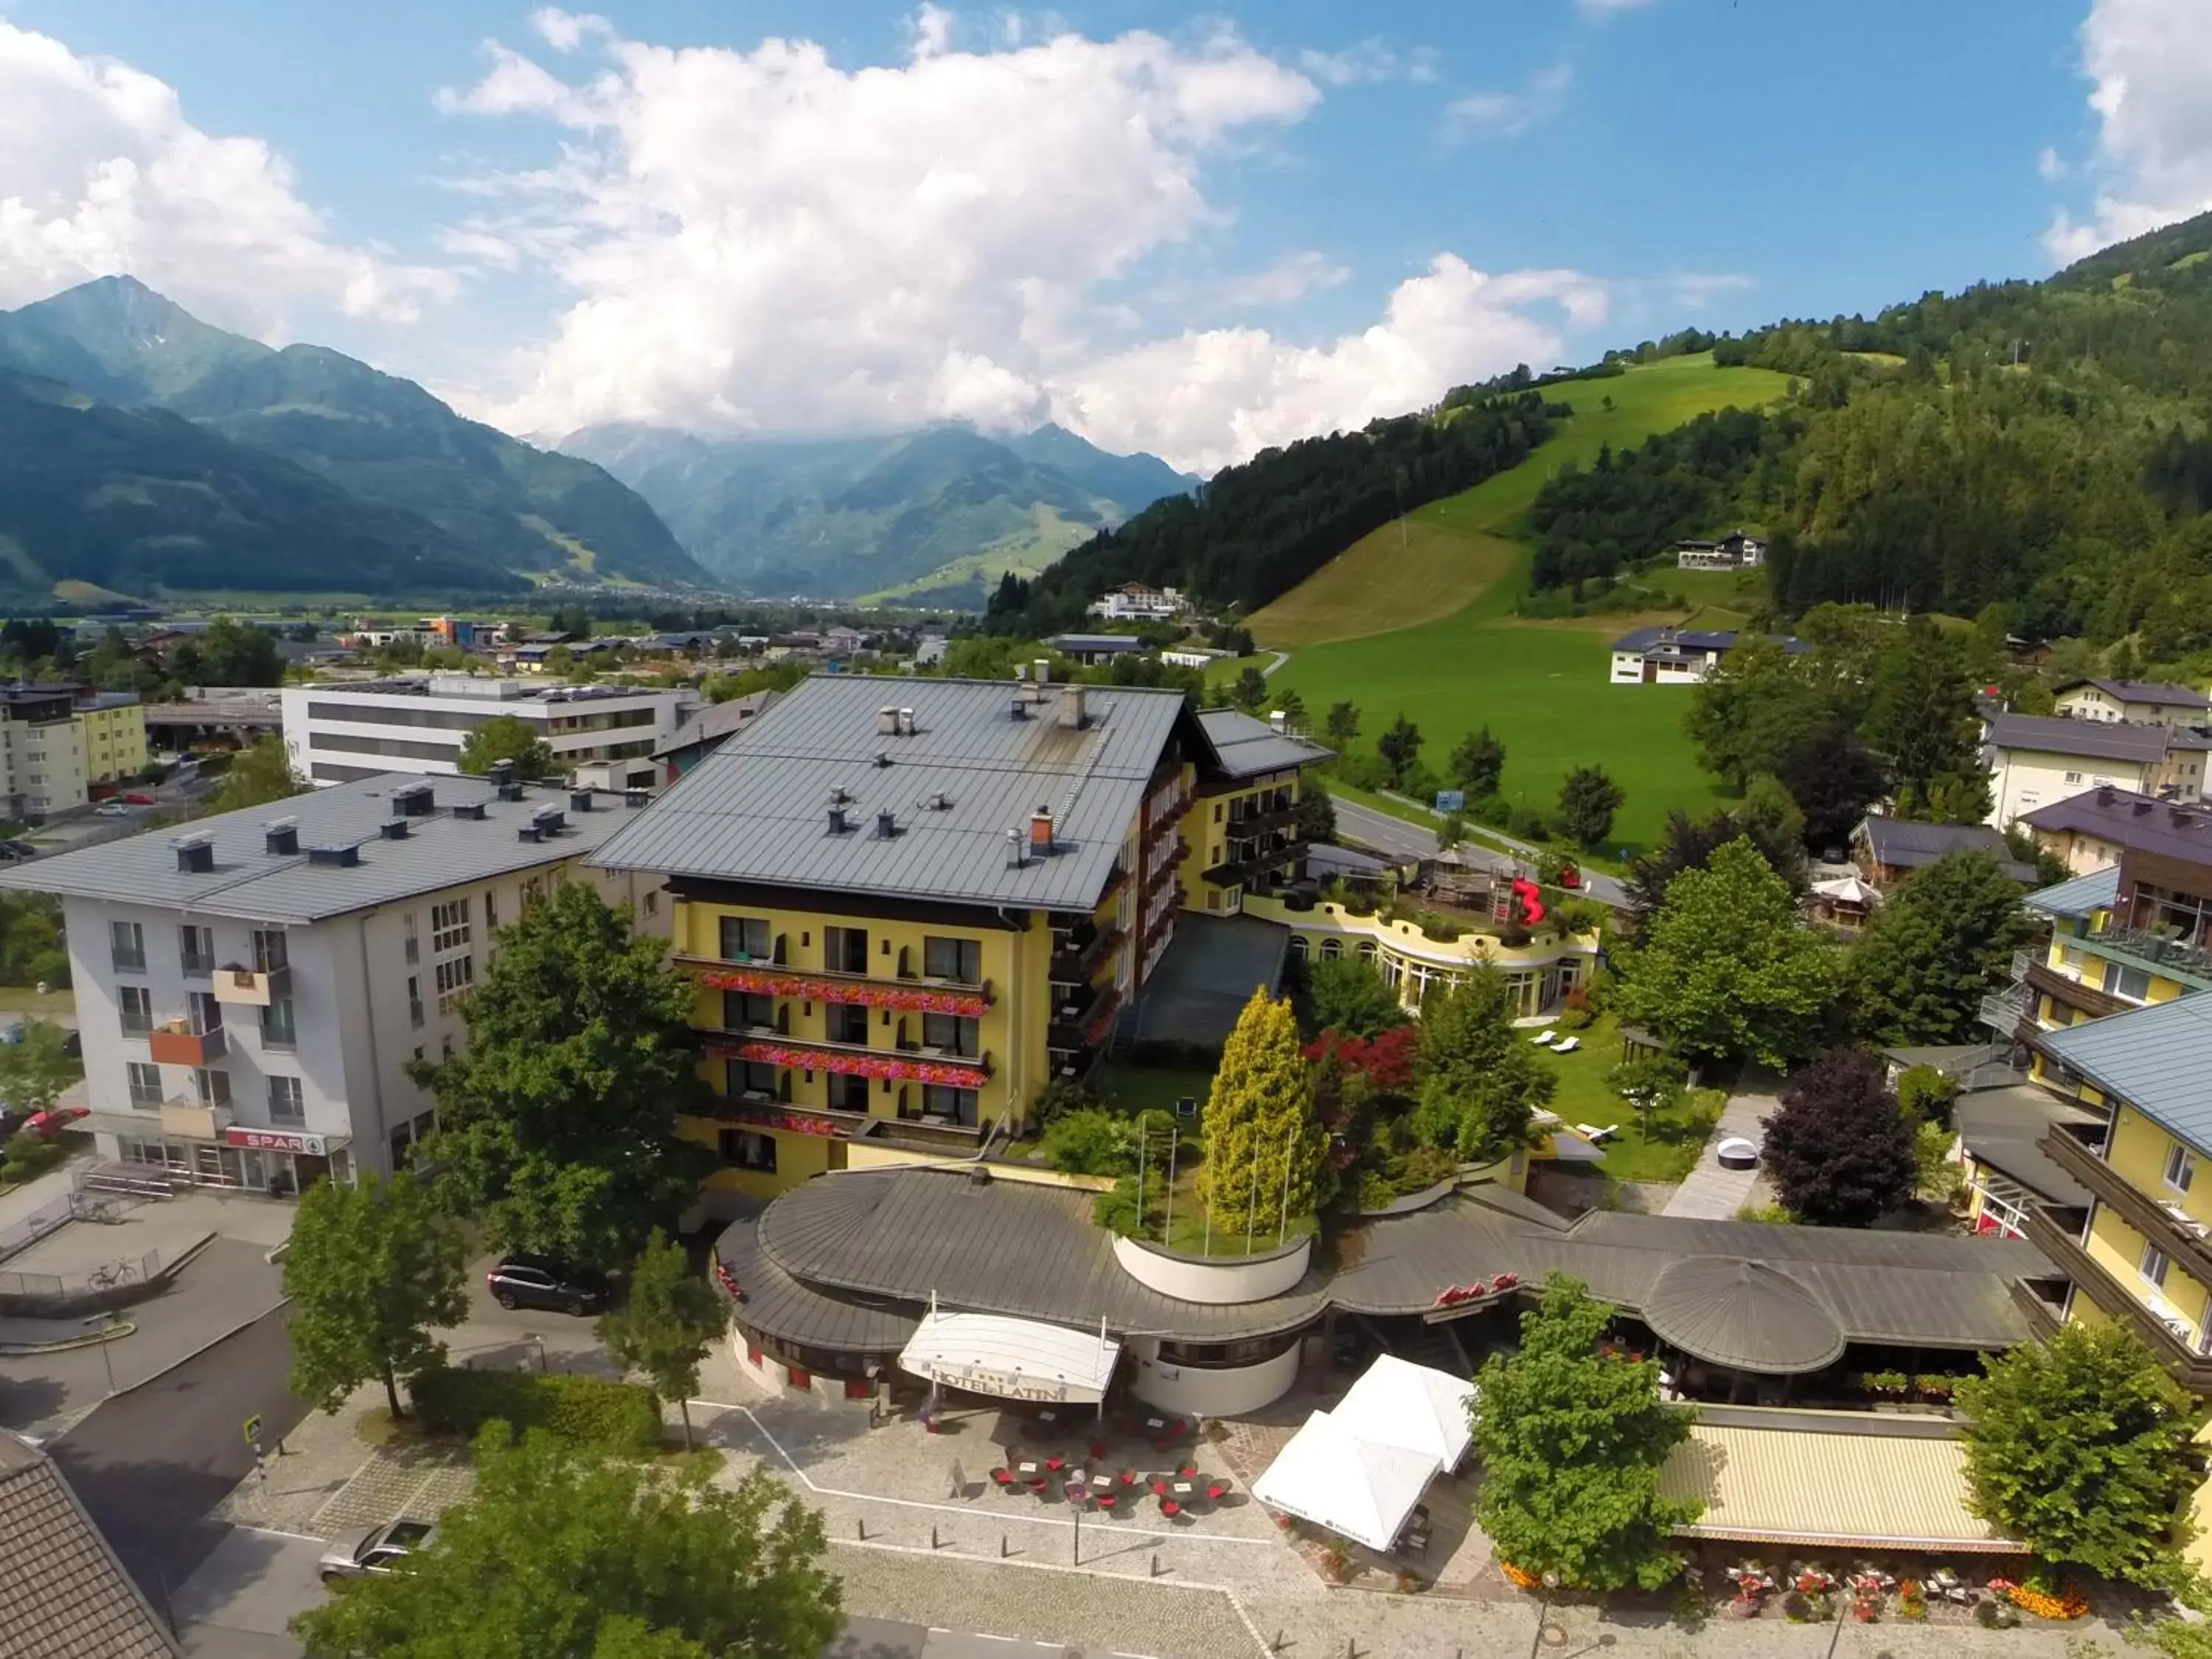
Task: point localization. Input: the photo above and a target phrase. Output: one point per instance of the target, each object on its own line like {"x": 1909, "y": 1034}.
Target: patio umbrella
{"x": 1398, "y": 1403}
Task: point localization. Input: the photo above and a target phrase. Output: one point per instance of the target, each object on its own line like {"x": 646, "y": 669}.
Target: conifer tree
{"x": 1260, "y": 1125}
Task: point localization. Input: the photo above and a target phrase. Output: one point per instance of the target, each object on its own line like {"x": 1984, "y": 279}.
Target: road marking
{"x": 279, "y": 1532}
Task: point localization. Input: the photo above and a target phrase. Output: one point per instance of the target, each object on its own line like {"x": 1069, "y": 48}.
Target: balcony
{"x": 1259, "y": 824}
{"x": 1084, "y": 1022}
{"x": 2156, "y": 952}
{"x": 2009, "y": 1013}
{"x": 2183, "y": 1240}
{"x": 2071, "y": 992}
{"x": 1242, "y": 871}
{"x": 195, "y": 1120}
{"x": 252, "y": 987}
{"x": 906, "y": 994}
{"x": 935, "y": 1066}
{"x": 173, "y": 1043}
{"x": 2191, "y": 1369}
{"x": 1075, "y": 962}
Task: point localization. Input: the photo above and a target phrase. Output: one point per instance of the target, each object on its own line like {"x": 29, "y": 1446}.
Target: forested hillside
{"x": 2037, "y": 447}
{"x": 1259, "y": 529}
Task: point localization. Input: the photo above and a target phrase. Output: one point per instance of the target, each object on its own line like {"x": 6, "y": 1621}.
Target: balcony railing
{"x": 2157, "y": 952}
{"x": 252, "y": 987}
{"x": 2072, "y": 993}
{"x": 1085, "y": 1028}
{"x": 929, "y": 1131}
{"x": 1241, "y": 871}
{"x": 2007, "y": 1011}
{"x": 175, "y": 1044}
{"x": 2182, "y": 1239}
{"x": 1080, "y": 962}
{"x": 933, "y": 1066}
{"x": 903, "y": 995}
{"x": 2191, "y": 1369}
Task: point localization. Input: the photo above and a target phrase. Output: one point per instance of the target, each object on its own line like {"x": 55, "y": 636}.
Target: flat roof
{"x": 1694, "y": 638}
{"x": 2120, "y": 740}
{"x": 2152, "y": 1058}
{"x": 2001, "y": 1127}
{"x": 2128, "y": 818}
{"x": 1245, "y": 748}
{"x": 757, "y": 812}
{"x": 249, "y": 882}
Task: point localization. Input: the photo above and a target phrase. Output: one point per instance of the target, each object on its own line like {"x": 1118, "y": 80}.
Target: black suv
{"x": 533, "y": 1281}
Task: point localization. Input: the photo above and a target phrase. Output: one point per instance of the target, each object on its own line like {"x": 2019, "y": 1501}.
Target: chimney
{"x": 2104, "y": 794}
{"x": 886, "y": 824}
{"x": 280, "y": 838}
{"x": 1015, "y": 859}
{"x": 195, "y": 853}
{"x": 531, "y": 832}
{"x": 501, "y": 773}
{"x": 906, "y": 722}
{"x": 548, "y": 819}
{"x": 415, "y": 800}
{"x": 633, "y": 799}
{"x": 1071, "y": 713}
{"x": 340, "y": 856}
{"x": 1043, "y": 675}
{"x": 1277, "y": 721}
{"x": 393, "y": 828}
{"x": 837, "y": 824}
{"x": 471, "y": 810}
{"x": 579, "y": 801}
{"x": 887, "y": 720}
{"x": 1019, "y": 709}
{"x": 1040, "y": 831}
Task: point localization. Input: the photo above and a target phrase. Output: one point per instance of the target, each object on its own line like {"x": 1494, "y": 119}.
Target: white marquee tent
{"x": 1364, "y": 1489}
{"x": 1398, "y": 1403}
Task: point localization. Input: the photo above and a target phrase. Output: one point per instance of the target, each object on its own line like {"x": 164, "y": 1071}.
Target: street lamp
{"x": 532, "y": 1336}
{"x": 104, "y": 1323}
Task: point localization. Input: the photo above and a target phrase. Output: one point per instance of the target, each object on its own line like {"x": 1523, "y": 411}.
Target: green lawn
{"x": 1676, "y": 1135}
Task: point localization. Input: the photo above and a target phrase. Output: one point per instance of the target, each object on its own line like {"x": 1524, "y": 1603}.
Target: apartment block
{"x": 42, "y": 763}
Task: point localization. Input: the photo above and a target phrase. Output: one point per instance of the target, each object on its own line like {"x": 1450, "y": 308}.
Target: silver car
{"x": 377, "y": 1551}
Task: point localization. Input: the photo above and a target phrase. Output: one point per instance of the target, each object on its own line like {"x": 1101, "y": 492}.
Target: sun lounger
{"x": 1545, "y": 1039}
{"x": 1569, "y": 1045}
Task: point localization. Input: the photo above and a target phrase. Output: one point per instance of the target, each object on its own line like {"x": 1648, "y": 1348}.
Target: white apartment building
{"x": 339, "y": 733}
{"x": 42, "y": 761}
{"x": 251, "y": 990}
{"x": 1139, "y": 602}
{"x": 2037, "y": 760}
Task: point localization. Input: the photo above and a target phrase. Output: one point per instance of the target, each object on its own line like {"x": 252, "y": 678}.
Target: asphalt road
{"x": 1395, "y": 838}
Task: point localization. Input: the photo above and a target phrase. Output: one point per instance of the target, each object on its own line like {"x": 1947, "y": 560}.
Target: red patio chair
{"x": 1056, "y": 1462}
{"x": 1169, "y": 1506}
{"x": 1002, "y": 1477}
{"x": 1217, "y": 1489}
{"x": 1106, "y": 1500}
{"x": 1097, "y": 1450}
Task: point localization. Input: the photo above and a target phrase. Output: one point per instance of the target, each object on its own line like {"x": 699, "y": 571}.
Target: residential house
{"x": 62, "y": 1594}
{"x": 2036, "y": 759}
{"x": 1733, "y": 551}
{"x": 1093, "y": 649}
{"x": 1887, "y": 849}
{"x": 2142, "y": 702}
{"x": 1668, "y": 655}
{"x": 2093, "y": 830}
{"x": 1137, "y": 602}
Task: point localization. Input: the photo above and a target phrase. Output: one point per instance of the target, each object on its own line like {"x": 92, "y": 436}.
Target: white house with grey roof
{"x": 2034, "y": 760}
{"x": 251, "y": 987}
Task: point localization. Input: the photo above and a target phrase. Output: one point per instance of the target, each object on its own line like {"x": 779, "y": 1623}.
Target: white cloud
{"x": 566, "y": 30}
{"x": 2050, "y": 165}
{"x": 2149, "y": 61}
{"x": 1371, "y": 60}
{"x": 1694, "y": 290}
{"x": 102, "y": 174}
{"x": 1510, "y": 114}
{"x": 763, "y": 239}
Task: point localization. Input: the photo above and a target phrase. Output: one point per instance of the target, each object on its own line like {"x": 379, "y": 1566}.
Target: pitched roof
{"x": 62, "y": 1594}
{"x": 2119, "y": 740}
{"x": 2140, "y": 823}
{"x": 2001, "y": 1127}
{"x": 248, "y": 881}
{"x": 1665, "y": 636}
{"x": 2155, "y": 692}
{"x": 1907, "y": 843}
{"x": 718, "y": 720}
{"x": 1244, "y": 747}
{"x": 757, "y": 811}
{"x": 2083, "y": 895}
{"x": 2151, "y": 1057}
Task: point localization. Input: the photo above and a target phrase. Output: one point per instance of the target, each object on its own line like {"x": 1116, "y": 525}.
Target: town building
{"x": 252, "y": 988}
{"x": 1733, "y": 551}
{"x": 1137, "y": 602}
{"x": 64, "y": 1594}
{"x": 2094, "y": 830}
{"x": 2142, "y": 702}
{"x": 2034, "y": 760}
{"x": 338, "y": 734}
{"x": 911, "y": 904}
{"x": 708, "y": 729}
{"x": 1886, "y": 850}
{"x": 111, "y": 729}
{"x": 1093, "y": 649}
{"x": 1668, "y": 655}
{"x": 1412, "y": 961}
{"x": 42, "y": 762}
{"x": 221, "y": 720}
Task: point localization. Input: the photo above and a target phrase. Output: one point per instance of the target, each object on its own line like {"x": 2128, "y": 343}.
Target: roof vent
{"x": 906, "y": 722}
{"x": 2141, "y": 807}
{"x": 887, "y": 720}
{"x": 883, "y": 758}
{"x": 940, "y": 802}
{"x": 2181, "y": 819}
{"x": 1043, "y": 667}
{"x": 1040, "y": 831}
{"x": 633, "y": 799}
{"x": 1021, "y": 673}
{"x": 2104, "y": 795}
{"x": 978, "y": 1175}
{"x": 1072, "y": 708}
{"x": 280, "y": 838}
{"x": 195, "y": 853}
{"x": 887, "y": 824}
{"x": 579, "y": 801}
{"x": 550, "y": 819}
{"x": 338, "y": 855}
{"x": 1016, "y": 854}
{"x": 532, "y": 832}
{"x": 1277, "y": 721}
{"x": 472, "y": 810}
{"x": 393, "y": 828}
{"x": 1019, "y": 710}
{"x": 838, "y": 826}
{"x": 415, "y": 800}
{"x": 510, "y": 791}
{"x": 839, "y": 795}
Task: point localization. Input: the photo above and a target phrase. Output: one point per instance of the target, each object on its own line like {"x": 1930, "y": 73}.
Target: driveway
{"x": 492, "y": 1339}
{"x": 1712, "y": 1192}
{"x": 244, "y": 1594}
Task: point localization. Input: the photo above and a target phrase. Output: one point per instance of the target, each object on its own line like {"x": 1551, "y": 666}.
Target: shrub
{"x": 1058, "y": 1097}
{"x": 1494, "y": 812}
{"x": 1528, "y": 823}
{"x": 1089, "y": 1141}
{"x": 1767, "y": 1215}
{"x": 29, "y": 1157}
{"x": 585, "y": 1410}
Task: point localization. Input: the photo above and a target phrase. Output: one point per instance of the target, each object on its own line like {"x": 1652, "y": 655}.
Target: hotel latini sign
{"x": 1006, "y": 1385}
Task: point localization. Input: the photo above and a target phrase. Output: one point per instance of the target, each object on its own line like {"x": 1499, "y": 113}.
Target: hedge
{"x": 589, "y": 1410}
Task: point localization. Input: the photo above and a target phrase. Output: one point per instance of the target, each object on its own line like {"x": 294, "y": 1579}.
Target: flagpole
{"x": 1283, "y": 1223}
{"x": 1251, "y": 1191}
{"x": 1167, "y": 1226}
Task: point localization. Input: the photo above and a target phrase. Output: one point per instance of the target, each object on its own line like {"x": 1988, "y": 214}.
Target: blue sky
{"x": 1192, "y": 232}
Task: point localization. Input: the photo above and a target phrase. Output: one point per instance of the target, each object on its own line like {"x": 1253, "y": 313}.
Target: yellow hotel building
{"x": 911, "y": 904}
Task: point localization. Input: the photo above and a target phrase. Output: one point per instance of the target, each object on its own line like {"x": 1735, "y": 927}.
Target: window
{"x": 449, "y": 926}
{"x": 491, "y": 911}
{"x": 454, "y": 976}
{"x": 127, "y": 941}
{"x": 958, "y": 959}
{"x": 845, "y": 950}
{"x": 746, "y": 1149}
{"x": 195, "y": 949}
{"x": 652, "y": 903}
{"x": 271, "y": 954}
{"x": 211, "y": 1088}
{"x": 1331, "y": 949}
{"x": 744, "y": 939}
{"x": 741, "y": 1009}
{"x": 2180, "y": 1167}
{"x": 135, "y": 1004}
{"x": 277, "y": 1030}
{"x": 203, "y": 1013}
{"x": 2153, "y": 1267}
{"x": 848, "y": 1093}
{"x": 414, "y": 941}
{"x": 2133, "y": 983}
{"x": 2073, "y": 777}
{"x": 953, "y": 1033}
{"x": 847, "y": 1022}
{"x": 750, "y": 1077}
{"x": 1298, "y": 946}
{"x": 145, "y": 1083}
{"x": 415, "y": 1000}
{"x": 286, "y": 1103}
{"x": 960, "y": 1105}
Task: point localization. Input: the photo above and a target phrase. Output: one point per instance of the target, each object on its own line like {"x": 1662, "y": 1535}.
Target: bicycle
{"x": 108, "y": 1273}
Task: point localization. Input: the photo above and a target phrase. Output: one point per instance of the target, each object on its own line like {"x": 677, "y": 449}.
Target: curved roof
{"x": 1743, "y": 1315}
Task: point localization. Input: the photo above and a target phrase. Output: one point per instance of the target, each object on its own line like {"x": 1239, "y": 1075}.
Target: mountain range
{"x": 932, "y": 516}
{"x": 148, "y": 451}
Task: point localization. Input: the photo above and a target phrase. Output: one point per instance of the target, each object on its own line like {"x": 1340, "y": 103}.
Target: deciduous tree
{"x": 1833, "y": 778}
{"x": 1941, "y": 942}
{"x": 1751, "y": 710}
{"x": 1249, "y": 690}
{"x": 1398, "y": 746}
{"x": 1263, "y": 1144}
{"x": 1725, "y": 971}
{"x": 563, "y": 1553}
{"x": 1317, "y": 812}
{"x": 505, "y": 737}
{"x": 1347, "y": 996}
{"x": 1687, "y": 843}
{"x": 1588, "y": 800}
{"x": 37, "y": 1067}
{"x": 1343, "y": 722}
{"x": 667, "y": 1323}
{"x": 557, "y": 1124}
{"x": 1480, "y": 1079}
{"x": 1478, "y": 763}
{"x": 2080, "y": 1448}
{"x": 259, "y": 774}
{"x": 1573, "y": 1435}
{"x": 374, "y": 1268}
{"x": 1840, "y": 1151}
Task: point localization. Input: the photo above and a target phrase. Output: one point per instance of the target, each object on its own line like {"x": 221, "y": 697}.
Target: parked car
{"x": 377, "y": 1552}
{"x": 136, "y": 799}
{"x": 534, "y": 1281}
{"x": 110, "y": 808}
{"x": 55, "y": 1119}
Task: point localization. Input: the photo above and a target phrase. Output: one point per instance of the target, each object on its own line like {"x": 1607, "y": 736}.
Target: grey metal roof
{"x": 2098, "y": 890}
{"x": 2140, "y": 823}
{"x": 1907, "y": 843}
{"x": 2153, "y": 1058}
{"x": 62, "y": 1594}
{"x": 2155, "y": 692}
{"x": 718, "y": 720}
{"x": 757, "y": 811}
{"x": 248, "y": 881}
{"x": 2120, "y": 740}
{"x": 1743, "y": 1315}
{"x": 1095, "y": 643}
{"x": 1244, "y": 747}
{"x": 1211, "y": 966}
{"x": 1665, "y": 636}
{"x": 1999, "y": 1128}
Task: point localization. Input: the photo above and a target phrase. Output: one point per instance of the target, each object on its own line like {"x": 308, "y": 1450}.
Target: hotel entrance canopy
{"x": 1013, "y": 1358}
